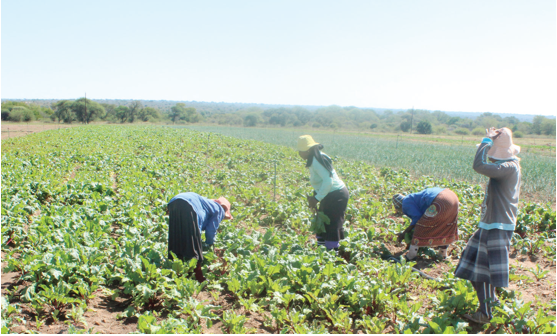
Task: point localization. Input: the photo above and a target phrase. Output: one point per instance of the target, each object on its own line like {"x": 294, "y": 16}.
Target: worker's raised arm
{"x": 483, "y": 166}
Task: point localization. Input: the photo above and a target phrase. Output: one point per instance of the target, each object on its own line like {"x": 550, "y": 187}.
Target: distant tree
{"x": 511, "y": 120}
{"x": 121, "y": 113}
{"x": 424, "y": 127}
{"x": 441, "y": 117}
{"x": 181, "y": 112}
{"x": 149, "y": 113}
{"x": 524, "y": 127}
{"x": 250, "y": 120}
{"x": 110, "y": 110}
{"x": 478, "y": 131}
{"x": 537, "y": 124}
{"x": 63, "y": 111}
{"x": 487, "y": 121}
{"x": 548, "y": 126}
{"x": 405, "y": 126}
{"x": 386, "y": 114}
{"x": 440, "y": 129}
{"x": 87, "y": 110}
{"x": 20, "y": 113}
{"x": 372, "y": 126}
{"x": 178, "y": 112}
{"x": 453, "y": 120}
{"x": 466, "y": 122}
{"x": 303, "y": 115}
{"x": 5, "y": 114}
{"x": 134, "y": 109}
{"x": 192, "y": 115}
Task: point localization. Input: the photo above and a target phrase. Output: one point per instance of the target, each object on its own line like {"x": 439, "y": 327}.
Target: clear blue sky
{"x": 466, "y": 55}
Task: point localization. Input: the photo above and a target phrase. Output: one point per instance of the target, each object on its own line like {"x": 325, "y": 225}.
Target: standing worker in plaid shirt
{"x": 485, "y": 260}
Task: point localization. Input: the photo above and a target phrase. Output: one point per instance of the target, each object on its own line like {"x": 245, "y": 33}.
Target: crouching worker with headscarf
{"x": 329, "y": 190}
{"x": 434, "y": 215}
{"x": 189, "y": 215}
{"x": 485, "y": 260}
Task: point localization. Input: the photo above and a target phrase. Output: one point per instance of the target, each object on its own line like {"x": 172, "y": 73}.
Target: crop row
{"x": 436, "y": 160}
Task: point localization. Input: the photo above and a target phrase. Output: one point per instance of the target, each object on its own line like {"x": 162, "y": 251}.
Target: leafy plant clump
{"x": 318, "y": 222}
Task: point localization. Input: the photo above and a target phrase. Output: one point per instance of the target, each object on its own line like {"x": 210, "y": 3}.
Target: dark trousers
{"x": 486, "y": 296}
{"x": 184, "y": 237}
{"x": 334, "y": 206}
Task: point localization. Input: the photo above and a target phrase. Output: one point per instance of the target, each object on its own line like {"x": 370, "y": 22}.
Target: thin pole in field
{"x": 207, "y": 151}
{"x": 396, "y": 141}
{"x": 412, "y": 120}
{"x": 275, "y": 183}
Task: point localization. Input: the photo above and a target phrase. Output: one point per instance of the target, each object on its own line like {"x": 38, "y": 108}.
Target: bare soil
{"x": 12, "y": 130}
{"x": 537, "y": 291}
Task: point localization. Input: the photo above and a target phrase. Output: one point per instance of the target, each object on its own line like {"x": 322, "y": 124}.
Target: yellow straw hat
{"x": 305, "y": 142}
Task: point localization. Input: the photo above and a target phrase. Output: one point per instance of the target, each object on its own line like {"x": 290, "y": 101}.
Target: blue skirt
{"x": 486, "y": 258}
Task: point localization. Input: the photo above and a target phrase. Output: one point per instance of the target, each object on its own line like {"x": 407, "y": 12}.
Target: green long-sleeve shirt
{"x": 322, "y": 181}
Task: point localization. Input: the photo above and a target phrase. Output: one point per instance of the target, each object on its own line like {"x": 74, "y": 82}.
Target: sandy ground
{"x": 12, "y": 130}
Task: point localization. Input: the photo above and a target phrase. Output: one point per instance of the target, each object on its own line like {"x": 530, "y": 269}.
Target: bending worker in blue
{"x": 434, "y": 215}
{"x": 189, "y": 215}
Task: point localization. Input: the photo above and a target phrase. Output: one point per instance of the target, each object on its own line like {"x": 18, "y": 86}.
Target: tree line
{"x": 405, "y": 121}
{"x": 252, "y": 115}
{"x": 86, "y": 110}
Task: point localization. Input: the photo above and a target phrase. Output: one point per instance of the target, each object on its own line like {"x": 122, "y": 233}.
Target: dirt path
{"x": 12, "y": 130}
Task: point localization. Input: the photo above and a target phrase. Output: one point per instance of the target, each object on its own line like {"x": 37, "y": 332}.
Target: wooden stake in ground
{"x": 275, "y": 188}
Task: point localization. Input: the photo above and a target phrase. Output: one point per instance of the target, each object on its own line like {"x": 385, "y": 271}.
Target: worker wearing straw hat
{"x": 485, "y": 260}
{"x": 189, "y": 215}
{"x": 329, "y": 190}
{"x": 434, "y": 215}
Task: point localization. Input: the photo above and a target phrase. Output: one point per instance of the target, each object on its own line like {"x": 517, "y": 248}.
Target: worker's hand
{"x": 492, "y": 133}
{"x": 312, "y": 202}
{"x": 400, "y": 237}
{"x": 206, "y": 247}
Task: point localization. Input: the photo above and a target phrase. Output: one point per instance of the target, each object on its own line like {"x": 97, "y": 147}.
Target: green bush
{"x": 405, "y": 126}
{"x": 478, "y": 131}
{"x": 462, "y": 131}
{"x": 28, "y": 115}
{"x": 518, "y": 134}
{"x": 440, "y": 129}
{"x": 16, "y": 116}
{"x": 424, "y": 127}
